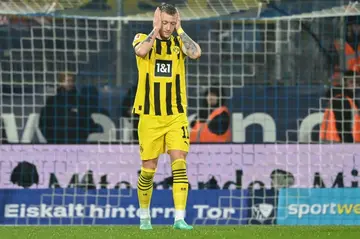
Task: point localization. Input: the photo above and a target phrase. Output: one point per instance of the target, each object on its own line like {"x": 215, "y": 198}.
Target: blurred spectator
{"x": 65, "y": 117}
{"x": 127, "y": 108}
{"x": 341, "y": 121}
{"x": 212, "y": 124}
{"x": 351, "y": 49}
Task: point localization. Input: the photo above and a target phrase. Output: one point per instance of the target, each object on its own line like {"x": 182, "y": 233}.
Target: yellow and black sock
{"x": 180, "y": 187}
{"x": 145, "y": 189}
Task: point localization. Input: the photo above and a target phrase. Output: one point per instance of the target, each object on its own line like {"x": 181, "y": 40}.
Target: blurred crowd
{"x": 67, "y": 118}
{"x": 341, "y": 121}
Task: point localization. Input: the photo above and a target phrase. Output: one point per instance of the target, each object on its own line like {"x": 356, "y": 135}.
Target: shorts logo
{"x": 141, "y": 149}
{"x": 163, "y": 68}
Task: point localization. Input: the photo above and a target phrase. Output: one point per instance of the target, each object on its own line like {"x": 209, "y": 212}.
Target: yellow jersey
{"x": 161, "y": 88}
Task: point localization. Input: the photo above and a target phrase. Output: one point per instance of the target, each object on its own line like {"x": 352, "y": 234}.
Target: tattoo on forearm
{"x": 150, "y": 36}
{"x": 189, "y": 44}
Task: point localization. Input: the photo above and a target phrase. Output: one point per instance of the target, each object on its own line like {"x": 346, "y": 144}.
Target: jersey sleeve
{"x": 138, "y": 38}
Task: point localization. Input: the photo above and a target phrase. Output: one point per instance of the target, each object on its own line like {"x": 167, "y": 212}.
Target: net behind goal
{"x": 271, "y": 66}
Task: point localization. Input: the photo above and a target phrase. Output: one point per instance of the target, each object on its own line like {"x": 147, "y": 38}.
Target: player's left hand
{"x": 178, "y": 20}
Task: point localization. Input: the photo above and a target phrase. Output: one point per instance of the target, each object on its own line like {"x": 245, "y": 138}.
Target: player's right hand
{"x": 157, "y": 19}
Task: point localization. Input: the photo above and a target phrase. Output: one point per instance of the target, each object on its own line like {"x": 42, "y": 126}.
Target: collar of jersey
{"x": 164, "y": 40}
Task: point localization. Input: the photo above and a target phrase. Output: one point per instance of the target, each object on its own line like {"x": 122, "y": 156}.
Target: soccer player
{"x": 162, "y": 105}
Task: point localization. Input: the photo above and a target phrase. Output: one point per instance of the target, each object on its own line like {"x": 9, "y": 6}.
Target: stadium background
{"x": 276, "y": 70}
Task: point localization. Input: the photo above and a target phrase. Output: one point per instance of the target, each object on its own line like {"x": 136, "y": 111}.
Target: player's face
{"x": 168, "y": 25}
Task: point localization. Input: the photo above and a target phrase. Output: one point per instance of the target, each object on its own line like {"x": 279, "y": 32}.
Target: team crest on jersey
{"x": 176, "y": 49}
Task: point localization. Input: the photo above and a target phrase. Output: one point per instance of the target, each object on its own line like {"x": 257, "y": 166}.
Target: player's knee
{"x": 177, "y": 154}
{"x": 150, "y": 164}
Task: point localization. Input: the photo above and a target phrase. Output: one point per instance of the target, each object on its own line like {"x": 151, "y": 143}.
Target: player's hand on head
{"x": 157, "y": 19}
{"x": 178, "y": 20}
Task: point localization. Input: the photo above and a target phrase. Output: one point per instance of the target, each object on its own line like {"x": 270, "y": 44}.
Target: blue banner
{"x": 336, "y": 206}
{"x": 78, "y": 206}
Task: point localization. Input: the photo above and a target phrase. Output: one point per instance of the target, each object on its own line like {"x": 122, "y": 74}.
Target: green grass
{"x": 163, "y": 232}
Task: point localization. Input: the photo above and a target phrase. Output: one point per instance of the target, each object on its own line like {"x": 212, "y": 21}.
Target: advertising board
{"x": 79, "y": 207}
{"x": 215, "y": 166}
{"x": 321, "y": 206}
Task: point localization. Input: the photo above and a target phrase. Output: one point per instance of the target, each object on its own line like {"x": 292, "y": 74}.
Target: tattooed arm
{"x": 143, "y": 48}
{"x": 190, "y": 48}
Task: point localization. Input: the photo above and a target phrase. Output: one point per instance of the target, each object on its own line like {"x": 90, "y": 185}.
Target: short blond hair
{"x": 168, "y": 8}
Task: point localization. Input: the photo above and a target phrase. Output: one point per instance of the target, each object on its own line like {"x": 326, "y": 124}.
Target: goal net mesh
{"x": 272, "y": 62}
